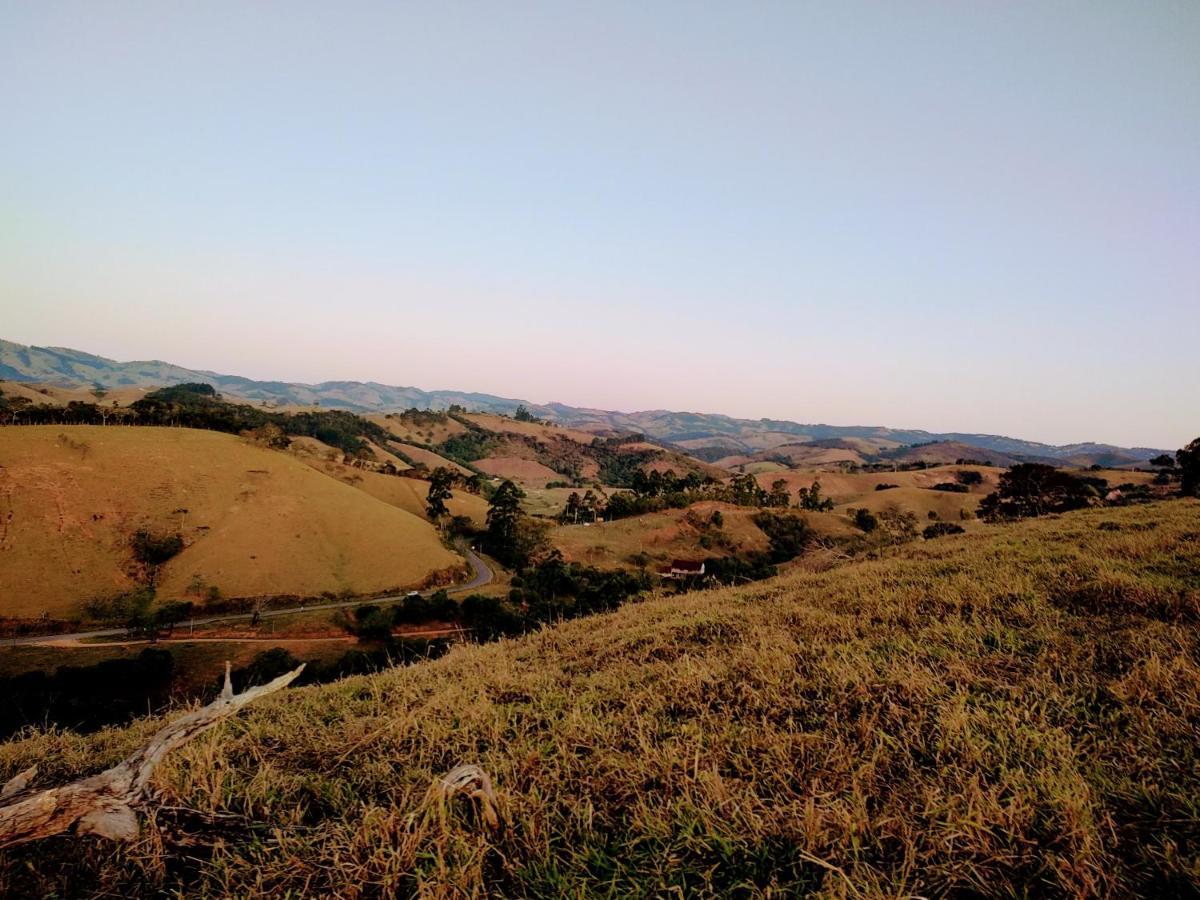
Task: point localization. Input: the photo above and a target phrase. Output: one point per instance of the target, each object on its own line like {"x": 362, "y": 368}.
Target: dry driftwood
{"x": 105, "y": 804}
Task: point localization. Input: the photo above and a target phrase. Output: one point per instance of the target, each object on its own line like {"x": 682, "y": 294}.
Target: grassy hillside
{"x": 662, "y": 536}
{"x": 409, "y": 494}
{"x": 1008, "y": 712}
{"x": 254, "y": 521}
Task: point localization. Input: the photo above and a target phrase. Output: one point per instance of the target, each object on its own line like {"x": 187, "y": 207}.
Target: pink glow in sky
{"x": 953, "y": 217}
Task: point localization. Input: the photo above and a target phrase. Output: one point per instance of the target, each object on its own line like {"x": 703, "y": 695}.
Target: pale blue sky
{"x": 955, "y": 216}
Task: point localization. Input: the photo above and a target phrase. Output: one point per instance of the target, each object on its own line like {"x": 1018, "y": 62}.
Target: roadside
{"x": 482, "y": 575}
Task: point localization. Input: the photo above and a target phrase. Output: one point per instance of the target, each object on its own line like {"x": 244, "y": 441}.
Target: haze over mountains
{"x": 704, "y": 434}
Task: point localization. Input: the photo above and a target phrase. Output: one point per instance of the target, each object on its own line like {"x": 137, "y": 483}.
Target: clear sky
{"x": 976, "y": 216}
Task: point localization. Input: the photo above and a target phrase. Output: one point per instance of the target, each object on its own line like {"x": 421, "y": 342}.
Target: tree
{"x": 439, "y": 493}
{"x": 504, "y": 513}
{"x": 811, "y": 499}
{"x": 779, "y": 495}
{"x": 1164, "y": 460}
{"x": 1189, "y": 468}
{"x": 523, "y": 414}
{"x": 1035, "y": 489}
{"x": 570, "y": 513}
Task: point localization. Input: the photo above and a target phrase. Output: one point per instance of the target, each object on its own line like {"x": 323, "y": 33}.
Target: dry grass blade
{"x": 105, "y": 804}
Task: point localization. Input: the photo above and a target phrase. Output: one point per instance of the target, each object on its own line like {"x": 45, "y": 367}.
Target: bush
{"x": 884, "y": 486}
{"x": 154, "y": 550}
{"x": 969, "y": 477}
{"x": 951, "y": 487}
{"x": 940, "y": 528}
{"x": 866, "y": 520}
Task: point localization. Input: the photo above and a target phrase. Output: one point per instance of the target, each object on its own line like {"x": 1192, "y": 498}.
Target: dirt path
{"x": 482, "y": 576}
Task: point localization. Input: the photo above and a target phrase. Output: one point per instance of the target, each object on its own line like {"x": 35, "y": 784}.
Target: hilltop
{"x": 702, "y": 434}
{"x": 1008, "y": 712}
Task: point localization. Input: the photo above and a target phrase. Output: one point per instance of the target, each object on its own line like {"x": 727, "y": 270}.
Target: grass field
{"x": 1012, "y": 712}
{"x": 408, "y": 494}
{"x": 421, "y": 430}
{"x": 254, "y": 521}
{"x": 661, "y": 536}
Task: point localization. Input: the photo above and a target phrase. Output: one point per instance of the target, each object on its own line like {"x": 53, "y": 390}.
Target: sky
{"x": 976, "y": 216}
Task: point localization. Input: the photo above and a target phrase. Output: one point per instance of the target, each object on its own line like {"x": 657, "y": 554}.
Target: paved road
{"x": 482, "y": 575}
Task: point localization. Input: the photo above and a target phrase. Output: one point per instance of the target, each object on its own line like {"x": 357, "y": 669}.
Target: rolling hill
{"x": 253, "y": 521}
{"x": 1006, "y": 713}
{"x": 694, "y": 430}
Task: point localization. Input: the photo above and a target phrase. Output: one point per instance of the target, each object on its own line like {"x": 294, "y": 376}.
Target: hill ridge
{"x": 19, "y": 362}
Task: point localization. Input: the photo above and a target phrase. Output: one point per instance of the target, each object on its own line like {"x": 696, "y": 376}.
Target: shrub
{"x": 866, "y": 520}
{"x": 969, "y": 477}
{"x": 951, "y": 487}
{"x": 940, "y": 528}
{"x": 154, "y": 550}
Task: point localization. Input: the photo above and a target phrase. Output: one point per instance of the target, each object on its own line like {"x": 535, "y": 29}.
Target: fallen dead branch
{"x": 106, "y": 804}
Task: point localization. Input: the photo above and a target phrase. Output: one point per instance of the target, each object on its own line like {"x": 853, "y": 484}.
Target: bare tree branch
{"x": 105, "y": 804}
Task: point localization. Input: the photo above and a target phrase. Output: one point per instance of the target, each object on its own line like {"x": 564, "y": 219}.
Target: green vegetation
{"x": 1033, "y": 489}
{"x": 810, "y": 498}
{"x": 865, "y": 520}
{"x": 1189, "y": 468}
{"x": 441, "y": 480}
{"x": 940, "y": 529}
{"x": 471, "y": 445}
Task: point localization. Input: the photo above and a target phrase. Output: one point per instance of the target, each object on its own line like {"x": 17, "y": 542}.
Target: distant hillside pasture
{"x": 419, "y": 427}
{"x": 522, "y": 471}
{"x": 408, "y": 494}
{"x": 657, "y": 538}
{"x": 253, "y": 521}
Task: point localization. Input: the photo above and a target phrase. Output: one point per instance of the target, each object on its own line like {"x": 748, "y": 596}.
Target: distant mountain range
{"x": 699, "y": 432}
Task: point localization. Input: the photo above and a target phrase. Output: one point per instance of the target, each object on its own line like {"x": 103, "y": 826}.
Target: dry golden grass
{"x": 662, "y": 536}
{"x": 421, "y": 432}
{"x": 1008, "y": 713}
{"x": 409, "y": 494}
{"x": 61, "y": 396}
{"x": 255, "y": 521}
{"x": 430, "y": 459}
{"x": 522, "y": 471}
{"x": 540, "y": 430}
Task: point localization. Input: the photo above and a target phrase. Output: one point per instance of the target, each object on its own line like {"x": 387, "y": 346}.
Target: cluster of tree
{"x": 885, "y": 486}
{"x": 151, "y": 551}
{"x": 523, "y": 414}
{"x": 968, "y": 477}
{"x": 951, "y": 487}
{"x": 589, "y": 506}
{"x": 372, "y": 622}
{"x": 788, "y": 535}
{"x": 468, "y": 446}
{"x": 1035, "y": 489}
{"x": 810, "y": 498}
{"x": 619, "y": 467}
{"x": 511, "y": 536}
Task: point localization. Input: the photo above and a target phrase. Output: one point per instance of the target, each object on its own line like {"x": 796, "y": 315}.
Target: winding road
{"x": 482, "y": 575}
